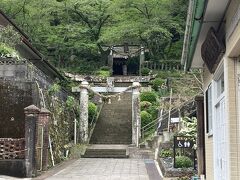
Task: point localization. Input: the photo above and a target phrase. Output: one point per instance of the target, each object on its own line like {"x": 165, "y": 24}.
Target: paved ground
{"x": 108, "y": 169}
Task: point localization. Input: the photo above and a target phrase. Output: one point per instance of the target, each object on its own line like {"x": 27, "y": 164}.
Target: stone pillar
{"x": 200, "y": 135}
{"x": 110, "y": 61}
{"x": 125, "y": 70}
{"x": 136, "y": 118}
{"x": 83, "y": 129}
{"x": 31, "y": 118}
{"x": 43, "y": 130}
{"x": 142, "y": 58}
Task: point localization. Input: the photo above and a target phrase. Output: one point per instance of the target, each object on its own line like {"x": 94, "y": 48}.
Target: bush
{"x": 104, "y": 68}
{"x": 153, "y": 110}
{"x": 149, "y": 96}
{"x": 145, "y": 71}
{"x": 103, "y": 73}
{"x": 167, "y": 74}
{"x": 156, "y": 83}
{"x": 183, "y": 162}
{"x": 166, "y": 153}
{"x": 145, "y": 105}
{"x": 145, "y": 118}
{"x": 92, "y": 108}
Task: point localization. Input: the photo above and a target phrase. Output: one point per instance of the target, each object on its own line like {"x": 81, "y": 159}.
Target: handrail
{"x": 156, "y": 121}
{"x": 174, "y": 109}
{"x": 145, "y": 130}
{"x": 93, "y": 122}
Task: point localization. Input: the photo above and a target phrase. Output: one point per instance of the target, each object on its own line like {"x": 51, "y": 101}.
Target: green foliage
{"x": 183, "y": 162}
{"x": 103, "y": 73}
{"x": 53, "y": 89}
{"x": 157, "y": 83}
{"x": 92, "y": 109}
{"x": 6, "y": 51}
{"x": 189, "y": 127}
{"x": 148, "y": 96}
{"x": 145, "y": 118}
{"x": 71, "y": 32}
{"x": 145, "y": 105}
{"x": 9, "y": 36}
{"x": 153, "y": 110}
{"x": 168, "y": 74}
{"x": 70, "y": 103}
{"x": 104, "y": 68}
{"x": 166, "y": 153}
{"x": 184, "y": 178}
{"x": 145, "y": 71}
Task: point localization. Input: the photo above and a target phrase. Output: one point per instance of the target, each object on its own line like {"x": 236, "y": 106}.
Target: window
{"x": 220, "y": 85}
{"x": 209, "y": 114}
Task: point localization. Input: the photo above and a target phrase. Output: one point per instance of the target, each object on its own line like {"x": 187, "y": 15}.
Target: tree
{"x": 70, "y": 32}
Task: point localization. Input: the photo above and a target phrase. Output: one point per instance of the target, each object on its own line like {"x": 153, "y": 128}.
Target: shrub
{"x": 103, "y": 73}
{"x": 166, "y": 153}
{"x": 104, "y": 68}
{"x": 55, "y": 88}
{"x": 145, "y": 71}
{"x": 183, "y": 162}
{"x": 145, "y": 105}
{"x": 92, "y": 108}
{"x": 156, "y": 83}
{"x": 153, "y": 110}
{"x": 149, "y": 96}
{"x": 145, "y": 118}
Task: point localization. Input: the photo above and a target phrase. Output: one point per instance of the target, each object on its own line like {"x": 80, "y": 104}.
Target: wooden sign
{"x": 212, "y": 50}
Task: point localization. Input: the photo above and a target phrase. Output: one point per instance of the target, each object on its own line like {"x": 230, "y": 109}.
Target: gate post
{"x": 136, "y": 118}
{"x": 31, "y": 118}
{"x": 110, "y": 60}
{"x": 83, "y": 112}
{"x": 43, "y": 129}
{"x": 141, "y": 61}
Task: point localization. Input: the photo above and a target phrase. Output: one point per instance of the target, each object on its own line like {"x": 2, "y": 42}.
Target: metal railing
{"x": 148, "y": 127}
{"x": 93, "y": 121}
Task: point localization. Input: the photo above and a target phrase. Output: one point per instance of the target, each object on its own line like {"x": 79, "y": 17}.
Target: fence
{"x": 166, "y": 65}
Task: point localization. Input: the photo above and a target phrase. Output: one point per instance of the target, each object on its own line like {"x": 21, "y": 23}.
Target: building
{"x": 24, "y": 82}
{"x": 212, "y": 42}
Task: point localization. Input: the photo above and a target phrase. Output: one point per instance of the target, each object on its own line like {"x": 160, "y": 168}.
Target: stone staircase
{"x": 113, "y": 131}
{"x": 106, "y": 151}
{"x": 114, "y": 125}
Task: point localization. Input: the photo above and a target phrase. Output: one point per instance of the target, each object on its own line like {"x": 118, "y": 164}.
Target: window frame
{"x": 209, "y": 108}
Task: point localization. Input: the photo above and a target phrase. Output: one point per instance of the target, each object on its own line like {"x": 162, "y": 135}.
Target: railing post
{"x": 136, "y": 118}
{"x": 31, "y": 118}
{"x": 83, "y": 112}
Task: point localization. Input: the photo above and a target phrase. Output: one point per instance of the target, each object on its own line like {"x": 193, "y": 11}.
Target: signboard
{"x": 212, "y": 50}
{"x": 175, "y": 120}
{"x": 183, "y": 142}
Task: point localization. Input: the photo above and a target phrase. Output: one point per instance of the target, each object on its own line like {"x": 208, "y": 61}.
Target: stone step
{"x": 106, "y": 151}
{"x": 114, "y": 125}
{"x": 105, "y": 156}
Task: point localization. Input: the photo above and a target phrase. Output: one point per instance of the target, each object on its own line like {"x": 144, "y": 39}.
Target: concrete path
{"x": 109, "y": 169}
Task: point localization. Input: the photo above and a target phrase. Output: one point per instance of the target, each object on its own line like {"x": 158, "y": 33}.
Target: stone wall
{"x": 23, "y": 84}
{"x": 14, "y": 97}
